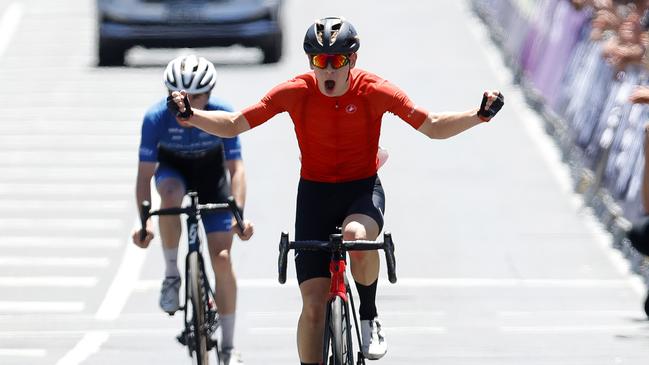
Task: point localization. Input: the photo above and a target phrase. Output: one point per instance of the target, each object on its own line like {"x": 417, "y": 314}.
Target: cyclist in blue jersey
{"x": 182, "y": 158}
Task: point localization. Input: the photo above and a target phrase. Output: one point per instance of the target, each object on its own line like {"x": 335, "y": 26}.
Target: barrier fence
{"x": 583, "y": 101}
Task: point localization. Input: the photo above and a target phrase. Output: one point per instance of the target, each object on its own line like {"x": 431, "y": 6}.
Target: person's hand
{"x": 248, "y": 229}
{"x": 137, "y": 235}
{"x": 640, "y": 95}
{"x": 178, "y": 105}
{"x": 492, "y": 102}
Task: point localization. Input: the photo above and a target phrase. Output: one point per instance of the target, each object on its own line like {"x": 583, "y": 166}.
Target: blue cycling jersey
{"x": 160, "y": 128}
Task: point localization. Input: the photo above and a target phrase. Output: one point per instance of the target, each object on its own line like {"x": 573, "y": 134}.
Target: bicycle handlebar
{"x": 193, "y": 209}
{"x": 359, "y": 245}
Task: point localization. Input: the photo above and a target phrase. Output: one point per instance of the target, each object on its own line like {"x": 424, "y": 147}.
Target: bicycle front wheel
{"x": 337, "y": 349}
{"x": 198, "y": 302}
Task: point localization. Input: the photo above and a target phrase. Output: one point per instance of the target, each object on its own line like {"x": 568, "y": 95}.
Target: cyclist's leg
{"x": 171, "y": 188}
{"x": 311, "y": 322}
{"x": 219, "y": 238}
{"x": 365, "y": 221}
{"x": 315, "y": 219}
{"x": 365, "y": 264}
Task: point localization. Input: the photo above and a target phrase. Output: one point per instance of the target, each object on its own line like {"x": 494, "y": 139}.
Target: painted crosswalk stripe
{"x": 60, "y": 224}
{"x": 48, "y": 281}
{"x": 40, "y": 307}
{"x": 4, "y": 352}
{"x": 27, "y": 261}
{"x": 64, "y": 205}
{"x": 31, "y": 189}
{"x": 59, "y": 242}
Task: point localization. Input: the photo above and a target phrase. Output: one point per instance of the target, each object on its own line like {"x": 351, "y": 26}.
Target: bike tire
{"x": 337, "y": 336}
{"x": 198, "y": 297}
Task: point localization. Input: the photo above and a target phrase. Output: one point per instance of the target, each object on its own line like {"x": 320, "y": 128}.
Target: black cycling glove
{"x": 486, "y": 114}
{"x": 173, "y": 108}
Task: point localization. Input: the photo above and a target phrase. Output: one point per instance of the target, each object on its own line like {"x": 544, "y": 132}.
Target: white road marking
{"x": 123, "y": 283}
{"x": 49, "y": 281}
{"x": 423, "y": 330}
{"x": 57, "y": 189}
{"x": 58, "y": 242}
{"x": 89, "y": 344}
{"x": 151, "y": 285}
{"x": 67, "y": 174}
{"x": 40, "y": 307}
{"x": 137, "y": 333}
{"x": 570, "y": 313}
{"x": 23, "y": 261}
{"x": 573, "y": 329}
{"x": 5, "y": 352}
{"x": 64, "y": 205}
{"x": 80, "y": 141}
{"x": 59, "y": 224}
{"x": 9, "y": 23}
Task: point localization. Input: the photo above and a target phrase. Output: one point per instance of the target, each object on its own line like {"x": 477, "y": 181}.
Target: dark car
{"x": 187, "y": 23}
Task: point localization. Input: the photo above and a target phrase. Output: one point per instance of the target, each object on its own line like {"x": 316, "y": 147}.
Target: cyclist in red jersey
{"x": 337, "y": 111}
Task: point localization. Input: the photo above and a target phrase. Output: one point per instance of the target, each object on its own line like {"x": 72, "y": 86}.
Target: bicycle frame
{"x": 204, "y": 319}
{"x": 340, "y": 296}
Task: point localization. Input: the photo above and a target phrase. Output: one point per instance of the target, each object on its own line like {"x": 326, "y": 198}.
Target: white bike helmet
{"x": 196, "y": 75}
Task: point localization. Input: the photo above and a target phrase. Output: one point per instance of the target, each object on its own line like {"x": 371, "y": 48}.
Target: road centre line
{"x": 89, "y": 344}
{"x": 123, "y": 283}
{"x": 9, "y": 23}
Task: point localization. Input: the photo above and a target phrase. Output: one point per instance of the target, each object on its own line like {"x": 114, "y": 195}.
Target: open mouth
{"x": 329, "y": 85}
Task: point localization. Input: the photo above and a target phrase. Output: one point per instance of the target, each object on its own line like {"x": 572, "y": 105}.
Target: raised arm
{"x": 216, "y": 122}
{"x": 449, "y": 124}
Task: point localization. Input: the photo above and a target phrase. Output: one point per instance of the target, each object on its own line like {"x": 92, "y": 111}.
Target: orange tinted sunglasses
{"x": 337, "y": 60}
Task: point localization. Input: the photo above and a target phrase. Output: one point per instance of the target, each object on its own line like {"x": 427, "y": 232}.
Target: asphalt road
{"x": 497, "y": 262}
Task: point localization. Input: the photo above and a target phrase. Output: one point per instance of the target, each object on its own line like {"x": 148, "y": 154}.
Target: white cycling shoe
{"x": 373, "y": 338}
{"x": 231, "y": 357}
{"x": 169, "y": 294}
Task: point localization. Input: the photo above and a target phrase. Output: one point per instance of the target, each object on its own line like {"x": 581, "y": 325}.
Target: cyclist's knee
{"x": 313, "y": 312}
{"x": 354, "y": 231}
{"x": 221, "y": 261}
{"x": 360, "y": 227}
{"x": 171, "y": 192}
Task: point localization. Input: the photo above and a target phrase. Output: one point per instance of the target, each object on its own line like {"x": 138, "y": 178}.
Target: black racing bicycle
{"x": 201, "y": 318}
{"x": 338, "y": 347}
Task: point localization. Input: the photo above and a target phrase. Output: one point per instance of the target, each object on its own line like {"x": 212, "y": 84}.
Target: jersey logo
{"x": 351, "y": 108}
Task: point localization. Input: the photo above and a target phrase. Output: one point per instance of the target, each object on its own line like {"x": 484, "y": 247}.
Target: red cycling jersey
{"x": 338, "y": 136}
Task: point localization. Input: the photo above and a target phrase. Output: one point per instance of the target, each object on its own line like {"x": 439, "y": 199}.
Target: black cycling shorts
{"x": 203, "y": 172}
{"x": 322, "y": 207}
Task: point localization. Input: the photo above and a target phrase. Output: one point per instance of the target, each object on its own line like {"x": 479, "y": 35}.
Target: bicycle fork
{"x": 360, "y": 359}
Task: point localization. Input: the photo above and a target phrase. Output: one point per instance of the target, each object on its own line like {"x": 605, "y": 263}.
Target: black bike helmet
{"x": 332, "y": 35}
